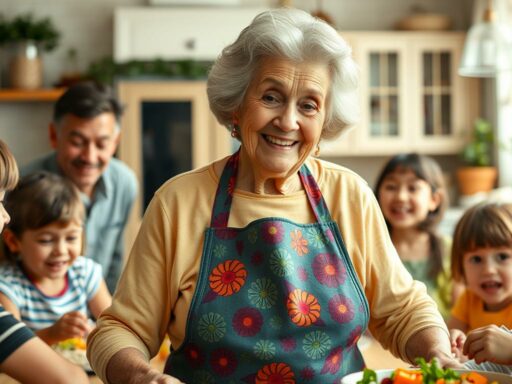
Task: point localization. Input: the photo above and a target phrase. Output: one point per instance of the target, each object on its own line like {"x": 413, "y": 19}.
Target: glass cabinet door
{"x": 437, "y": 93}
{"x": 384, "y": 94}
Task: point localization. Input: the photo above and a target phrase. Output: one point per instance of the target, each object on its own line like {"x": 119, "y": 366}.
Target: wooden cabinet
{"x": 167, "y": 129}
{"x": 411, "y": 97}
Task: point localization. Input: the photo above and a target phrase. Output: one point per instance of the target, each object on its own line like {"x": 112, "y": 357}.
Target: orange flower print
{"x": 228, "y": 277}
{"x": 299, "y": 243}
{"x": 275, "y": 373}
{"x": 303, "y": 308}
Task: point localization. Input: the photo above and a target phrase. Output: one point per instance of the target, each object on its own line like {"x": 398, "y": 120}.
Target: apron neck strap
{"x": 226, "y": 187}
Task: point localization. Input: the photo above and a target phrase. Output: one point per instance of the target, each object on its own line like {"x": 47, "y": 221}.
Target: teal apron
{"x": 276, "y": 301}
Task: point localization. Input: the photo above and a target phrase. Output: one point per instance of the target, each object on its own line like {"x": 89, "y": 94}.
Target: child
{"x": 19, "y": 348}
{"x": 48, "y": 285}
{"x": 490, "y": 347}
{"x": 411, "y": 193}
{"x": 482, "y": 259}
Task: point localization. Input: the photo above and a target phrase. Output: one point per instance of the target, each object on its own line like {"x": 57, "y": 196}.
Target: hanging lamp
{"x": 488, "y": 47}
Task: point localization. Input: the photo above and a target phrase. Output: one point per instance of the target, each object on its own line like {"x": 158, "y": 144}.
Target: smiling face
{"x": 282, "y": 116}
{"x": 84, "y": 147}
{"x": 405, "y": 199}
{"x": 488, "y": 274}
{"x": 47, "y": 252}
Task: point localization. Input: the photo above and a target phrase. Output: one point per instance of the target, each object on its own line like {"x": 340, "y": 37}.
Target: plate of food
{"x": 74, "y": 350}
{"x": 426, "y": 373}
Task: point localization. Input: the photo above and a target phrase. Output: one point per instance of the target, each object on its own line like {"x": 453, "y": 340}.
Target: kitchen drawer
{"x": 177, "y": 33}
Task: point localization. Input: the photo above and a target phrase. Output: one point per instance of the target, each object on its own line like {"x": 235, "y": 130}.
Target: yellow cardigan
{"x": 155, "y": 291}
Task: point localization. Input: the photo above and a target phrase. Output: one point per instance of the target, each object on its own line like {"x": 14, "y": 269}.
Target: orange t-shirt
{"x": 469, "y": 309}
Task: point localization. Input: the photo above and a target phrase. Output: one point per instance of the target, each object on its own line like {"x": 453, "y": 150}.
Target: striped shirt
{"x": 13, "y": 334}
{"x": 39, "y": 311}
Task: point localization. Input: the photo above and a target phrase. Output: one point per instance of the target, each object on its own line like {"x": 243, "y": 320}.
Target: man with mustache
{"x": 85, "y": 132}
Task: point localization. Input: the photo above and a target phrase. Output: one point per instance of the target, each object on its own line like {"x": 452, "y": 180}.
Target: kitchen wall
{"x": 87, "y": 27}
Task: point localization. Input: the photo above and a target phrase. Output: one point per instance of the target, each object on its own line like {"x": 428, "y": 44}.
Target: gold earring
{"x": 317, "y": 151}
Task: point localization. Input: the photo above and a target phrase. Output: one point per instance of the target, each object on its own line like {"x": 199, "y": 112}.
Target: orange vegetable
{"x": 405, "y": 376}
{"x": 474, "y": 378}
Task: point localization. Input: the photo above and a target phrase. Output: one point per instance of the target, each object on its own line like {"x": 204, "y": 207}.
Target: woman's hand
{"x": 457, "y": 339}
{"x": 129, "y": 366}
{"x": 489, "y": 343}
{"x": 71, "y": 324}
{"x": 155, "y": 377}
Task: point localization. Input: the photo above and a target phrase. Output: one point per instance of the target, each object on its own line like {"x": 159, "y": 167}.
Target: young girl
{"x": 411, "y": 193}
{"x": 19, "y": 348}
{"x": 482, "y": 259}
{"x": 48, "y": 285}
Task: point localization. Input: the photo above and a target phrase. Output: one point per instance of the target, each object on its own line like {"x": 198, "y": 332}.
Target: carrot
{"x": 405, "y": 376}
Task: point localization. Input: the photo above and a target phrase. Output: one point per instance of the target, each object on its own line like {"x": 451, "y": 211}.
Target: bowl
{"x": 501, "y": 378}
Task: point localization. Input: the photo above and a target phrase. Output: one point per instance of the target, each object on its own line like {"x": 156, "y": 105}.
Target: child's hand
{"x": 489, "y": 343}
{"x": 72, "y": 324}
{"x": 457, "y": 339}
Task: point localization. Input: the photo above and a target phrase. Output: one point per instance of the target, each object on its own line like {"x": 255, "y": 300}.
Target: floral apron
{"x": 276, "y": 301}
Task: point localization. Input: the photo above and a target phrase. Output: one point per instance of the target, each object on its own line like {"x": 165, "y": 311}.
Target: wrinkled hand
{"x": 489, "y": 343}
{"x": 457, "y": 339}
{"x": 71, "y": 324}
{"x": 447, "y": 361}
{"x": 155, "y": 377}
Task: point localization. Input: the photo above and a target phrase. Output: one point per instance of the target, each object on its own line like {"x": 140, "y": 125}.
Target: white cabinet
{"x": 411, "y": 97}
{"x": 177, "y": 33}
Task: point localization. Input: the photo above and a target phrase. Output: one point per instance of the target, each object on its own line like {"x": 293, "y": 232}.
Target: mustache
{"x": 81, "y": 163}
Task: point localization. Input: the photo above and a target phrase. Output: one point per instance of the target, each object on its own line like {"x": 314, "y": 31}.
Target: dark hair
{"x": 8, "y": 168}
{"x": 427, "y": 169}
{"x": 485, "y": 225}
{"x": 40, "y": 199}
{"x": 87, "y": 100}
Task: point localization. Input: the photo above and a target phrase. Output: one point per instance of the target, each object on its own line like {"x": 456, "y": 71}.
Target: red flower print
{"x": 223, "y": 361}
{"x": 247, "y": 321}
{"x": 354, "y": 336}
{"x": 272, "y": 232}
{"x": 333, "y": 361}
{"x": 303, "y": 308}
{"x": 275, "y": 373}
{"x": 299, "y": 243}
{"x": 257, "y": 258}
{"x": 312, "y": 189}
{"x": 288, "y": 344}
{"x": 231, "y": 185}
{"x": 329, "y": 234}
{"x": 194, "y": 355}
{"x": 308, "y": 373}
{"x": 302, "y": 274}
{"x": 329, "y": 270}
{"x": 341, "y": 309}
{"x": 228, "y": 277}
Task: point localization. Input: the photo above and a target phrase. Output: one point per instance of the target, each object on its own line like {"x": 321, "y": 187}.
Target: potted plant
{"x": 478, "y": 174}
{"x": 26, "y": 37}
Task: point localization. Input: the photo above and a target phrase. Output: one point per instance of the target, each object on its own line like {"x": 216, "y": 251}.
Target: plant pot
{"x": 472, "y": 180}
{"x": 25, "y": 66}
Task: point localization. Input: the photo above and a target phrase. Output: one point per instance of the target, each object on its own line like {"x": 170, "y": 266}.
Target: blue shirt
{"x": 39, "y": 311}
{"x": 107, "y": 213}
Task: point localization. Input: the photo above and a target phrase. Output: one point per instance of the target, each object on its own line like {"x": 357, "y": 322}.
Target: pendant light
{"x": 488, "y": 47}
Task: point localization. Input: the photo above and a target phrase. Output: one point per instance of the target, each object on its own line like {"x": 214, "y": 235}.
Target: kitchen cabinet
{"x": 411, "y": 96}
{"x": 167, "y": 129}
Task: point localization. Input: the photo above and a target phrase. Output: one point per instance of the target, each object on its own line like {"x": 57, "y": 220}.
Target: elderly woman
{"x": 267, "y": 266}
